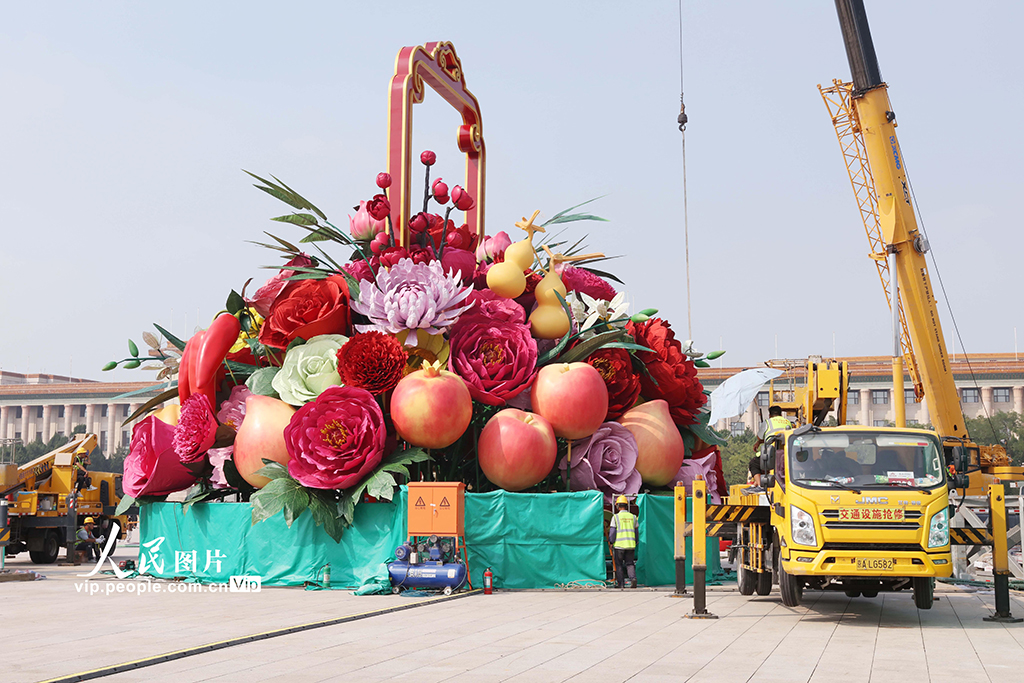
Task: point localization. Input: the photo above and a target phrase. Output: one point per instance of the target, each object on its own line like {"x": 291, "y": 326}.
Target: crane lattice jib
{"x": 851, "y": 141}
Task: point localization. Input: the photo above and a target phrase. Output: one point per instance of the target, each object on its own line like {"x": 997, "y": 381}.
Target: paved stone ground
{"x": 53, "y": 629}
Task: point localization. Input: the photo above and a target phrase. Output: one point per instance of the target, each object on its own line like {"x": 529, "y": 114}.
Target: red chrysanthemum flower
{"x": 373, "y": 361}
{"x": 196, "y": 430}
{"x": 623, "y": 383}
{"x": 671, "y": 375}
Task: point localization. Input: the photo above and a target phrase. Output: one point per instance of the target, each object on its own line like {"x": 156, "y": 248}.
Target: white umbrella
{"x": 731, "y": 397}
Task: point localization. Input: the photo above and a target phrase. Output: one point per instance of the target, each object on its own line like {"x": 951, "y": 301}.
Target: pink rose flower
{"x": 152, "y": 468}
{"x": 265, "y": 295}
{"x": 336, "y": 440}
{"x": 605, "y": 461}
{"x": 196, "y": 430}
{"x": 496, "y": 359}
{"x": 494, "y": 247}
{"x": 363, "y": 226}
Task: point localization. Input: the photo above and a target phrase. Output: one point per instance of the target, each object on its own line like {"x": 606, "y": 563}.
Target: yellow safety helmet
{"x": 621, "y": 500}
{"x": 89, "y": 520}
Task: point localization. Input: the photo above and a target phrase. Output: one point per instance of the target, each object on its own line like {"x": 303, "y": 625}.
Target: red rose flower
{"x": 623, "y": 384}
{"x": 196, "y": 430}
{"x": 674, "y": 374}
{"x": 307, "y": 308}
{"x": 336, "y": 440}
{"x": 379, "y": 207}
{"x": 152, "y": 468}
{"x": 373, "y": 361}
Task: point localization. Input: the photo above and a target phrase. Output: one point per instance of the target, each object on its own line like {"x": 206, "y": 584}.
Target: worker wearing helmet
{"x": 622, "y": 536}
{"x": 86, "y": 542}
{"x": 776, "y": 423}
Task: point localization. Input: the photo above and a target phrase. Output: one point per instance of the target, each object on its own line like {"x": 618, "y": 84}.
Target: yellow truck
{"x": 38, "y": 495}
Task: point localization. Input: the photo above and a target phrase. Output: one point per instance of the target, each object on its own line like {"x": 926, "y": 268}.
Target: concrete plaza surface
{"x": 52, "y": 629}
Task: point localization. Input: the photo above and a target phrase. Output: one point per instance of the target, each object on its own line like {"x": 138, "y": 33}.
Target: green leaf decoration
{"x": 353, "y": 286}
{"x": 235, "y": 303}
{"x": 297, "y": 219}
{"x": 280, "y": 494}
{"x": 626, "y": 345}
{"x": 602, "y": 273}
{"x": 109, "y": 366}
{"x": 196, "y": 494}
{"x": 272, "y": 470}
{"x": 706, "y": 434}
{"x": 381, "y": 485}
{"x": 151, "y": 404}
{"x": 318, "y": 236}
{"x": 286, "y": 195}
{"x": 714, "y": 354}
{"x": 572, "y": 217}
{"x": 133, "y": 350}
{"x": 132, "y": 364}
{"x": 394, "y": 463}
{"x": 240, "y": 370}
{"x": 583, "y": 350}
{"x": 324, "y": 509}
{"x": 261, "y": 382}
{"x": 177, "y": 343}
{"x": 649, "y": 311}
{"x": 689, "y": 440}
{"x": 571, "y": 208}
{"x": 122, "y": 507}
{"x": 702, "y": 363}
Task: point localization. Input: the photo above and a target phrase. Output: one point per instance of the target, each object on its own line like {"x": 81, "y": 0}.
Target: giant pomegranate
{"x": 431, "y": 407}
{"x": 260, "y": 436}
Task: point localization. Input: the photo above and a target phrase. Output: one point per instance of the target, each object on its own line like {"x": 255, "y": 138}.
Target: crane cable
{"x": 681, "y": 120}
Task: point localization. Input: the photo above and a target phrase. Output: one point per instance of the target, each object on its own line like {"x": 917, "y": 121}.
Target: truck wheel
{"x": 764, "y": 583}
{"x": 791, "y": 587}
{"x": 852, "y": 594}
{"x": 924, "y": 592}
{"x": 746, "y": 580}
{"x": 50, "y": 551}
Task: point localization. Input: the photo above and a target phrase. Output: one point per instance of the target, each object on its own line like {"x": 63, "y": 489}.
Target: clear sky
{"x": 125, "y": 126}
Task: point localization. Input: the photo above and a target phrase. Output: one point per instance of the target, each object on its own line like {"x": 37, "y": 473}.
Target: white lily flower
{"x": 690, "y": 351}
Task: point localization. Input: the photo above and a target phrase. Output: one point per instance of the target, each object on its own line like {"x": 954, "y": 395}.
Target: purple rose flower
{"x": 336, "y": 440}
{"x": 605, "y": 461}
{"x": 497, "y": 359}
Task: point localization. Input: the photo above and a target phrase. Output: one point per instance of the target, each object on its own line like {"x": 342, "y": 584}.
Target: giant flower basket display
{"x": 411, "y": 346}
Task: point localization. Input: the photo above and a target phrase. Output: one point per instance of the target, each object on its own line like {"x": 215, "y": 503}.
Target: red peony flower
{"x": 359, "y": 269}
{"x": 496, "y": 359}
{"x": 373, "y": 361}
{"x": 152, "y": 468}
{"x": 674, "y": 375}
{"x": 392, "y": 255}
{"x": 379, "y": 207}
{"x": 196, "y": 430}
{"x": 307, "y": 308}
{"x": 579, "y": 280}
{"x": 623, "y": 384}
{"x": 337, "y": 440}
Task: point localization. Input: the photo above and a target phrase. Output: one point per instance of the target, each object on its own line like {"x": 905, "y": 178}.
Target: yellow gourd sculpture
{"x": 549, "y": 320}
{"x": 506, "y": 278}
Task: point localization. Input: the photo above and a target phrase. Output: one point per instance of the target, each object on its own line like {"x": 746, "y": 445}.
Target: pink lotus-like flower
{"x": 496, "y": 359}
{"x": 152, "y": 468}
{"x": 196, "y": 430}
{"x": 231, "y": 413}
{"x": 265, "y": 295}
{"x": 493, "y": 247}
{"x": 579, "y": 280}
{"x": 337, "y": 440}
{"x": 411, "y": 296}
{"x": 363, "y": 226}
{"x": 605, "y": 461}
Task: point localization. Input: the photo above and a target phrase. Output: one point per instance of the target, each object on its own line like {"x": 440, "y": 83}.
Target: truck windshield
{"x": 865, "y": 459}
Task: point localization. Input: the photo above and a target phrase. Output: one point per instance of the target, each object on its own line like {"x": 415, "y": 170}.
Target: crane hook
{"x": 682, "y": 115}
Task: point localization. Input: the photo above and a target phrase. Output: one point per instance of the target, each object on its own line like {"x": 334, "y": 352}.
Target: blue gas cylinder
{"x": 429, "y": 575}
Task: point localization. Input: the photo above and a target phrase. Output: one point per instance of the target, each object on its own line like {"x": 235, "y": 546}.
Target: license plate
{"x": 871, "y": 514}
{"x": 876, "y": 564}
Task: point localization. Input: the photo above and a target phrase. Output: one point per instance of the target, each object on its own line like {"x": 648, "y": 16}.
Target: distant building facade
{"x": 37, "y": 407}
{"x": 986, "y": 383}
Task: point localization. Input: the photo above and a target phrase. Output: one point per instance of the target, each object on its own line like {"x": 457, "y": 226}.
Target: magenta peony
{"x": 459, "y": 263}
{"x": 605, "y": 461}
{"x": 152, "y": 468}
{"x": 486, "y": 304}
{"x": 266, "y": 294}
{"x": 337, "y": 440}
{"x": 196, "y": 430}
{"x": 359, "y": 269}
{"x": 496, "y": 359}
{"x": 579, "y": 280}
{"x": 363, "y": 226}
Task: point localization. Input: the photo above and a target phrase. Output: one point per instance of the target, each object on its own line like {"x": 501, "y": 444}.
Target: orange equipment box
{"x": 437, "y": 507}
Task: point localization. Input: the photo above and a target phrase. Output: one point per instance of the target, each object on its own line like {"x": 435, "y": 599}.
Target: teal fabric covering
{"x": 535, "y": 540}
{"x": 655, "y": 557}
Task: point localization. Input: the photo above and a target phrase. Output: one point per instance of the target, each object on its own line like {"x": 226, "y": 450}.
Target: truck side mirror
{"x": 767, "y": 458}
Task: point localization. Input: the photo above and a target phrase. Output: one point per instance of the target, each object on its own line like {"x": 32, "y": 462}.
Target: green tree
{"x": 736, "y": 455}
{"x": 32, "y": 450}
{"x": 101, "y": 463}
{"x": 1001, "y": 429}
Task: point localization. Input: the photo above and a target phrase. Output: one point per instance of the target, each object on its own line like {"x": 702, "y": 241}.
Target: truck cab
{"x": 858, "y": 509}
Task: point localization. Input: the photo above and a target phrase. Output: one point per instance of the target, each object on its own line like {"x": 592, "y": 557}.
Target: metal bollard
{"x": 1000, "y": 554}
{"x": 700, "y": 546}
{"x": 680, "y": 541}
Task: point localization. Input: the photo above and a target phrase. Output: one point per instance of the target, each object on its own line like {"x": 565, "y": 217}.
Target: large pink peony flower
{"x": 337, "y": 440}
{"x": 152, "y": 468}
{"x": 496, "y": 359}
{"x": 490, "y": 306}
{"x": 196, "y": 430}
{"x": 605, "y": 461}
{"x": 266, "y": 294}
{"x": 579, "y": 280}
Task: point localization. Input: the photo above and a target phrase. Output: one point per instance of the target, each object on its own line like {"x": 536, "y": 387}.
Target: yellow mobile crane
{"x": 48, "y": 497}
{"x": 866, "y": 128}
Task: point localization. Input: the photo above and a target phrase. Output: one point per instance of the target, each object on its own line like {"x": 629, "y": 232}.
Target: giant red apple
{"x": 572, "y": 397}
{"x": 659, "y": 444}
{"x": 431, "y": 407}
{"x": 260, "y": 436}
{"x": 516, "y": 449}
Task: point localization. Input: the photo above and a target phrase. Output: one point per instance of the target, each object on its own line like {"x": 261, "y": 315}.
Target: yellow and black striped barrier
{"x": 970, "y": 536}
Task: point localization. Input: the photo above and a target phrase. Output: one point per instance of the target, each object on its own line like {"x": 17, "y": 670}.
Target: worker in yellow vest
{"x": 776, "y": 423}
{"x": 622, "y": 536}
